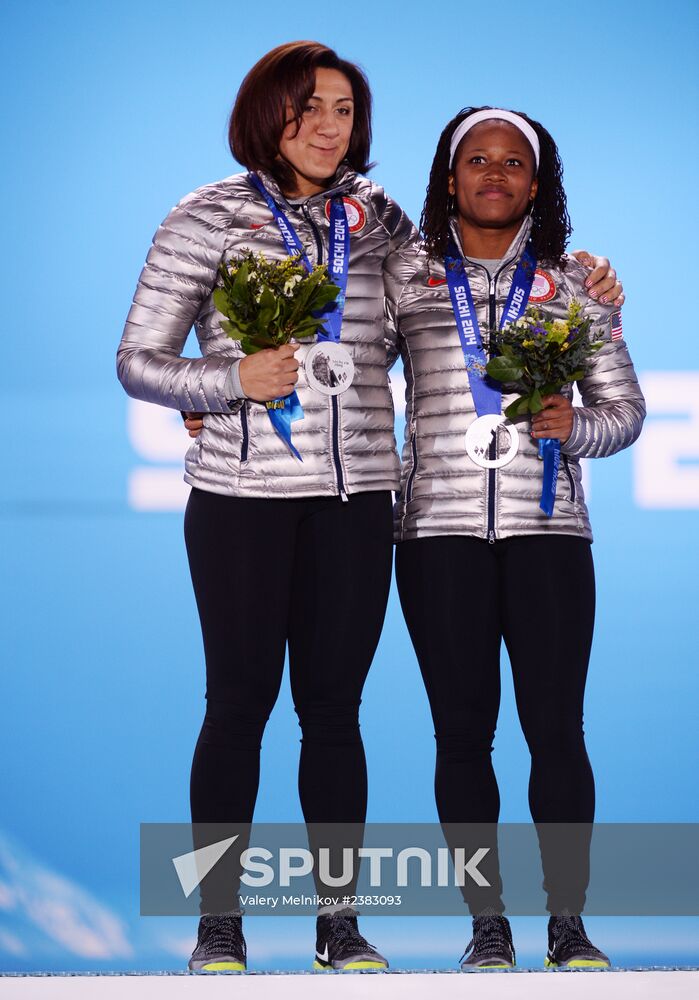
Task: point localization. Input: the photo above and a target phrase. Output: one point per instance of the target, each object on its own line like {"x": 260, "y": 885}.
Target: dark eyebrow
{"x": 340, "y": 100}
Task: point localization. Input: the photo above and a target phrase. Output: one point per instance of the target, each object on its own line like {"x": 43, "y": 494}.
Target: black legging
{"x": 461, "y": 596}
{"x": 314, "y": 572}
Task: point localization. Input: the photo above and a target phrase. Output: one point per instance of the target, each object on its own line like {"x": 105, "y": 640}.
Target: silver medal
{"x": 329, "y": 368}
{"x": 492, "y": 427}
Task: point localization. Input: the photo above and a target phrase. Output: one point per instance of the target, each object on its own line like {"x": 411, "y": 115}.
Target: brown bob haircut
{"x": 287, "y": 75}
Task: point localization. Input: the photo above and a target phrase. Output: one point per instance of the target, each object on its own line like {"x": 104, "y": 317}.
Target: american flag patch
{"x": 615, "y": 324}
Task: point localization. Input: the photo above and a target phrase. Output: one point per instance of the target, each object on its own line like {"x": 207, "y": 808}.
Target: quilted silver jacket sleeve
{"x": 613, "y": 409}
{"x": 400, "y": 263}
{"x": 179, "y": 274}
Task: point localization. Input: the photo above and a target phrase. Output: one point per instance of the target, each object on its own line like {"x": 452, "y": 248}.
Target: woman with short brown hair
{"x": 258, "y": 120}
{"x": 282, "y": 551}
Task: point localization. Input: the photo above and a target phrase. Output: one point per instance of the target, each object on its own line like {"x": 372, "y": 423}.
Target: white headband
{"x": 484, "y": 116}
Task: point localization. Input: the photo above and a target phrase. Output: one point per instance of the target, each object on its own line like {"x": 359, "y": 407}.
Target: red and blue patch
{"x": 543, "y": 287}
{"x": 356, "y": 216}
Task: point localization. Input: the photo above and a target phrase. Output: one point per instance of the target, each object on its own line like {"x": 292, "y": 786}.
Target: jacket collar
{"x": 342, "y": 181}
{"x": 516, "y": 247}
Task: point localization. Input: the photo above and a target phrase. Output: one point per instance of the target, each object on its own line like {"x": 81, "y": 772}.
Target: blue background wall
{"x": 114, "y": 112}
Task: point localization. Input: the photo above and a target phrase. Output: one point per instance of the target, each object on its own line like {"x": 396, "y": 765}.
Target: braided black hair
{"x": 551, "y": 222}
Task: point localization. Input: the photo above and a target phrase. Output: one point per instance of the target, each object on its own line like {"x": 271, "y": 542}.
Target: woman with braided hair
{"x": 478, "y": 560}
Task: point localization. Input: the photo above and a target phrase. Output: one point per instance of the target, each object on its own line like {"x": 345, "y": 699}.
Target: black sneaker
{"x": 220, "y": 943}
{"x": 339, "y": 945}
{"x": 570, "y": 947}
{"x": 491, "y": 946}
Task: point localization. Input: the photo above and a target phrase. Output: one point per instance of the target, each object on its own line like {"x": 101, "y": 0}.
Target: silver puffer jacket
{"x": 347, "y": 442}
{"x": 442, "y": 491}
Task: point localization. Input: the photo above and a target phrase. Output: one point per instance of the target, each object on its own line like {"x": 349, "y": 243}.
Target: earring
{"x": 451, "y": 204}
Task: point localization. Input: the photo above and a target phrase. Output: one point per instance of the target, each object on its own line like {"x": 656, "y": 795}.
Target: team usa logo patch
{"x": 543, "y": 288}
{"x": 356, "y": 216}
{"x": 615, "y": 326}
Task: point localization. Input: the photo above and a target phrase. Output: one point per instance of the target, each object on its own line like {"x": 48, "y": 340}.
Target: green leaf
{"x": 230, "y": 329}
{"x": 312, "y": 297}
{"x": 240, "y": 291}
{"x": 224, "y": 273}
{"x": 249, "y": 347}
{"x": 550, "y": 388}
{"x": 299, "y": 308}
{"x": 535, "y": 404}
{"x": 519, "y": 407}
{"x": 221, "y": 301}
{"x": 235, "y": 329}
{"x": 241, "y": 278}
{"x": 504, "y": 369}
{"x": 264, "y": 330}
{"x": 308, "y": 328}
{"x": 268, "y": 301}
{"x": 264, "y": 337}
{"x": 266, "y": 320}
{"x": 323, "y": 296}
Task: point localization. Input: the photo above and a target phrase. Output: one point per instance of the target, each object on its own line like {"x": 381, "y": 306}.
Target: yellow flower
{"x": 574, "y": 311}
{"x": 558, "y": 332}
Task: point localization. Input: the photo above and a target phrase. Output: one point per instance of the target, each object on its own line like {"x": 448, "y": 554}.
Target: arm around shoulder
{"x": 400, "y": 263}
{"x": 613, "y": 409}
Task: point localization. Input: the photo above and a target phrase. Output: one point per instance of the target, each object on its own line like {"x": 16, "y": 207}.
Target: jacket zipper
{"x": 566, "y": 466}
{"x": 336, "y": 448}
{"x": 413, "y": 471}
{"x": 490, "y": 534}
{"x": 244, "y": 427}
{"x": 315, "y": 231}
{"x": 335, "y": 405}
{"x": 493, "y": 453}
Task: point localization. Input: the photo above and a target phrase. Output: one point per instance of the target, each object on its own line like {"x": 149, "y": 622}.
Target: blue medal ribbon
{"x": 338, "y": 268}
{"x": 284, "y": 410}
{"x": 294, "y": 246}
{"x": 550, "y": 452}
{"x": 487, "y": 395}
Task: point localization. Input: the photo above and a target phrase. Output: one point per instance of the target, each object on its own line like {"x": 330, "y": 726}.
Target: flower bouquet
{"x": 536, "y": 355}
{"x": 266, "y": 303}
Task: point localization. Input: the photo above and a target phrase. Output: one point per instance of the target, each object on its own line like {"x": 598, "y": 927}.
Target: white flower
{"x": 291, "y": 283}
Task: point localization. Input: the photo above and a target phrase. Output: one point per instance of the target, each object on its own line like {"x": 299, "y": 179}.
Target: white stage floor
{"x": 614, "y": 985}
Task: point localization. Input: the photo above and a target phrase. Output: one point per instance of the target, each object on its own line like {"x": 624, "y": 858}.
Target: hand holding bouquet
{"x": 536, "y": 356}
{"x": 267, "y": 303}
